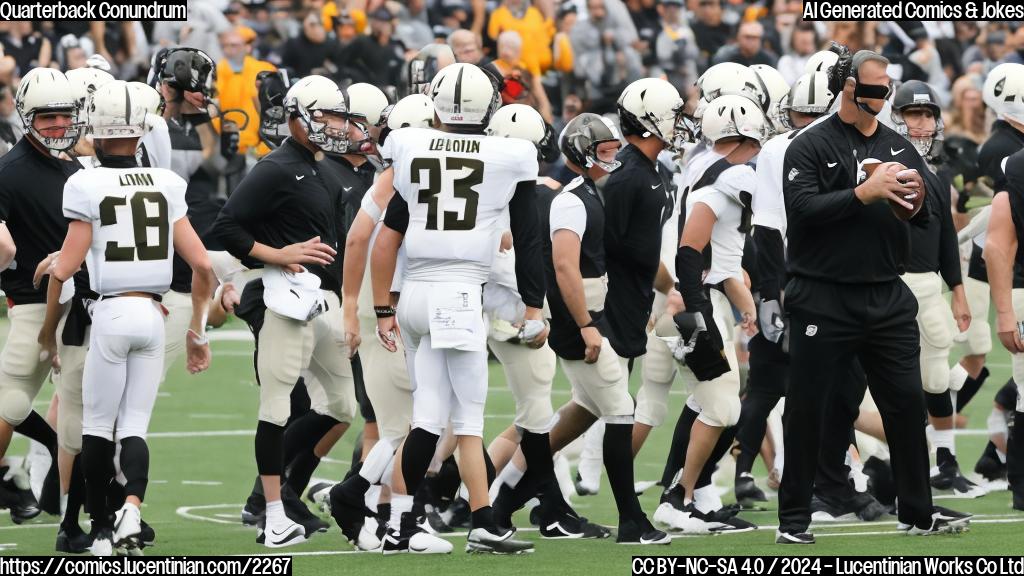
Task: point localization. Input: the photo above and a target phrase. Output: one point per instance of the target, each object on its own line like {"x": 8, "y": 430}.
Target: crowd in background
{"x": 563, "y": 57}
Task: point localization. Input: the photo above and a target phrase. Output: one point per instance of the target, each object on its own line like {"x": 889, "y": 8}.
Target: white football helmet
{"x": 310, "y": 99}
{"x": 653, "y": 106}
{"x": 464, "y": 95}
{"x": 114, "y": 112}
{"x": 733, "y": 115}
{"x": 1003, "y": 91}
{"x": 777, "y": 89}
{"x": 152, "y": 100}
{"x": 517, "y": 121}
{"x": 47, "y": 90}
{"x": 809, "y": 95}
{"x": 729, "y": 78}
{"x": 367, "y": 101}
{"x": 821, "y": 61}
{"x": 85, "y": 81}
{"x": 415, "y": 110}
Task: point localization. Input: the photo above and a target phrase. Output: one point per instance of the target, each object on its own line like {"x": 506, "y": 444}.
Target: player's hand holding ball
{"x": 902, "y": 187}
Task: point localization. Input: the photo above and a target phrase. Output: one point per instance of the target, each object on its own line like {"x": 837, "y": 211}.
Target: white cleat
{"x": 286, "y": 534}
{"x": 425, "y": 543}
{"x": 102, "y": 545}
{"x": 127, "y": 526}
{"x": 367, "y": 540}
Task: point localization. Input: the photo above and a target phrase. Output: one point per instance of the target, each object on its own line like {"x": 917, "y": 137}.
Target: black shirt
{"x": 934, "y": 248}
{"x": 353, "y": 181}
{"x": 1015, "y": 188}
{"x": 565, "y": 338}
{"x": 31, "y": 203}
{"x": 302, "y": 55}
{"x": 833, "y": 237}
{"x": 202, "y": 208}
{"x": 285, "y": 199}
{"x": 633, "y": 201}
{"x": 1004, "y": 141}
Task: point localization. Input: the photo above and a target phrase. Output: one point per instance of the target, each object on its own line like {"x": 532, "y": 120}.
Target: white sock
{"x": 1001, "y": 455}
{"x": 400, "y": 503}
{"x": 63, "y": 505}
{"x": 510, "y": 475}
{"x": 464, "y": 492}
{"x": 707, "y": 499}
{"x": 957, "y": 377}
{"x": 376, "y": 463}
{"x": 929, "y": 434}
{"x": 372, "y": 496}
{"x": 944, "y": 439}
{"x": 275, "y": 512}
{"x": 563, "y": 477}
{"x": 592, "y": 458}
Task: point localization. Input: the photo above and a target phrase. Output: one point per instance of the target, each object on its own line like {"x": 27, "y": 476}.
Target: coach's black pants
{"x": 831, "y": 325}
{"x": 766, "y": 384}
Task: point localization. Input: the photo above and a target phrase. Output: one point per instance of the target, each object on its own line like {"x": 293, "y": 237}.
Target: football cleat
{"x": 287, "y": 533}
{"x": 127, "y": 527}
{"x": 793, "y": 537}
{"x": 640, "y": 532}
{"x": 495, "y": 541}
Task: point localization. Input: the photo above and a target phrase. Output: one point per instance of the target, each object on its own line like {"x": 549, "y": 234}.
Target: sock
{"x": 383, "y": 513}
{"x": 592, "y": 459}
{"x": 275, "y": 512}
{"x": 618, "y": 462}
{"x": 680, "y": 440}
{"x": 135, "y": 466}
{"x": 76, "y": 494}
{"x": 448, "y": 480}
{"x": 939, "y": 405}
{"x": 419, "y": 449}
{"x": 372, "y": 496}
{"x": 483, "y": 518}
{"x": 1001, "y": 455}
{"x": 944, "y": 441}
{"x": 38, "y": 429}
{"x": 1015, "y": 453}
{"x": 376, "y": 463}
{"x": 98, "y": 469}
{"x": 302, "y": 435}
{"x": 301, "y": 471}
{"x": 269, "y": 457}
{"x": 400, "y": 504}
{"x": 721, "y": 447}
{"x": 706, "y": 499}
{"x": 970, "y": 388}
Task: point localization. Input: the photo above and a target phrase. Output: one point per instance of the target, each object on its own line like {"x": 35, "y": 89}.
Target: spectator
{"x": 676, "y": 47}
{"x": 413, "y": 29}
{"x": 854, "y": 35}
{"x": 309, "y": 50}
{"x": 72, "y": 52}
{"x": 647, "y": 20}
{"x": 533, "y": 28}
{"x": 747, "y": 50}
{"x": 27, "y": 46}
{"x": 1015, "y": 42}
{"x": 802, "y": 44}
{"x": 453, "y": 14}
{"x": 467, "y": 47}
{"x": 710, "y": 31}
{"x": 522, "y": 84}
{"x": 202, "y": 30}
{"x": 10, "y": 124}
{"x": 562, "y": 46}
{"x": 330, "y": 12}
{"x": 984, "y": 55}
{"x": 604, "y": 55}
{"x": 967, "y": 116}
{"x": 377, "y": 57}
{"x": 236, "y": 87}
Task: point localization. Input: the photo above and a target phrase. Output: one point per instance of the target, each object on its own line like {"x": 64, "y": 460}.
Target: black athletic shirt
{"x": 565, "y": 338}
{"x": 934, "y": 248}
{"x": 202, "y": 208}
{"x": 285, "y": 199}
{"x": 634, "y": 199}
{"x": 833, "y": 237}
{"x": 1015, "y": 188}
{"x": 31, "y": 203}
{"x": 1004, "y": 141}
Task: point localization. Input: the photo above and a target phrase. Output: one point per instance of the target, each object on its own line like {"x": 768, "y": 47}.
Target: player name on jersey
{"x": 446, "y": 145}
{"x": 135, "y": 180}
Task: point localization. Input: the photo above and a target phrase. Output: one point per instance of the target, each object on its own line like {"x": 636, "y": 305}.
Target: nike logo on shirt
{"x": 297, "y": 177}
{"x": 347, "y": 189}
{"x": 655, "y": 187}
{"x": 895, "y": 152}
{"x": 832, "y": 164}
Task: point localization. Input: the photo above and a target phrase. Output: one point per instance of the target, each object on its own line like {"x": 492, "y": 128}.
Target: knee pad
{"x": 939, "y": 405}
{"x": 652, "y": 401}
{"x": 69, "y": 435}
{"x": 934, "y": 371}
{"x": 724, "y": 413}
{"x": 14, "y": 406}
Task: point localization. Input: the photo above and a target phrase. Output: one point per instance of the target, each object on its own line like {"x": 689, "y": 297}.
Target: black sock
{"x": 492, "y": 472}
{"x": 384, "y": 513}
{"x": 618, "y": 463}
{"x": 483, "y": 518}
{"x": 943, "y": 456}
{"x": 537, "y": 451}
{"x": 269, "y": 457}
{"x": 304, "y": 433}
{"x": 356, "y": 485}
{"x": 115, "y": 494}
{"x": 76, "y": 493}
{"x": 36, "y": 428}
{"x": 98, "y": 469}
{"x": 721, "y": 447}
{"x": 448, "y": 480}
{"x": 970, "y": 388}
{"x": 416, "y": 456}
{"x": 1015, "y": 453}
{"x": 301, "y": 471}
{"x": 680, "y": 440}
{"x": 135, "y": 466}
{"x": 298, "y": 400}
{"x": 939, "y": 405}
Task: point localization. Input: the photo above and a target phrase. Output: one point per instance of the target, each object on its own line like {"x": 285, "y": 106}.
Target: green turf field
{"x": 201, "y": 442}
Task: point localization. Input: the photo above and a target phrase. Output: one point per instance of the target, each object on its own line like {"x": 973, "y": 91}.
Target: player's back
{"x": 132, "y": 212}
{"x": 456, "y": 187}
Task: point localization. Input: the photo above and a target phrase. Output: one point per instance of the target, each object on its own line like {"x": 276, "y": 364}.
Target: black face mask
{"x": 870, "y": 91}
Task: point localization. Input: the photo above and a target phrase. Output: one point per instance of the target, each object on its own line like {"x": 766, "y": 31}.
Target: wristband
{"x": 384, "y": 311}
{"x": 591, "y": 324}
{"x": 199, "y": 340}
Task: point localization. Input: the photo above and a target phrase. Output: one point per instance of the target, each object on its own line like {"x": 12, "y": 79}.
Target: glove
{"x": 701, "y": 345}
{"x": 769, "y": 316}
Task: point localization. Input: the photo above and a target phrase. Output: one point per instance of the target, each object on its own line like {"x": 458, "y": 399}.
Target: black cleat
{"x": 21, "y": 502}
{"x": 793, "y": 537}
{"x": 299, "y": 513}
{"x": 640, "y": 532}
{"x": 989, "y": 466}
{"x": 348, "y": 511}
{"x": 747, "y": 492}
{"x": 950, "y": 478}
{"x": 148, "y": 536}
{"x": 866, "y": 507}
{"x": 458, "y": 514}
{"x": 1018, "y": 498}
{"x": 73, "y": 540}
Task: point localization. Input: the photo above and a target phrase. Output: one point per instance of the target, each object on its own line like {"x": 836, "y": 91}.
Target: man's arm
{"x": 805, "y": 203}
{"x": 1000, "y": 248}
{"x": 190, "y": 247}
{"x": 7, "y": 247}
{"x": 72, "y": 254}
{"x": 771, "y": 261}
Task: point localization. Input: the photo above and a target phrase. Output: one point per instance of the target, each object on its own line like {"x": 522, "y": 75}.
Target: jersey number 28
{"x": 141, "y": 223}
{"x": 463, "y": 188}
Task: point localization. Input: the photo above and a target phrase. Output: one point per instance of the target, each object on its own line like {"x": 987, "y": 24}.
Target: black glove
{"x": 703, "y": 350}
{"x": 769, "y": 316}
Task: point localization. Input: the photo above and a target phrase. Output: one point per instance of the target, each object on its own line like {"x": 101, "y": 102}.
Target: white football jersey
{"x": 132, "y": 211}
{"x": 456, "y": 186}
